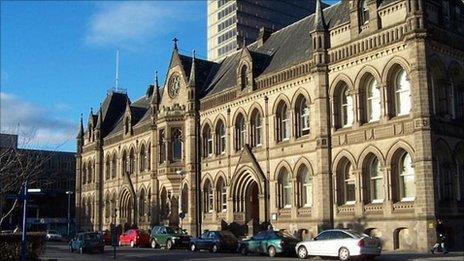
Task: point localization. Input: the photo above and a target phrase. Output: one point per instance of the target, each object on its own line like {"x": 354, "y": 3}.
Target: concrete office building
{"x": 230, "y": 22}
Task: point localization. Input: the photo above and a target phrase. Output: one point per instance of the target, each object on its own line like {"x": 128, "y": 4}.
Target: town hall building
{"x": 352, "y": 117}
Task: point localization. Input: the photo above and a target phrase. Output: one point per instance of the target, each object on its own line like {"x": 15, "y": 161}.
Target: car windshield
{"x": 91, "y": 236}
{"x": 174, "y": 230}
{"x": 285, "y": 234}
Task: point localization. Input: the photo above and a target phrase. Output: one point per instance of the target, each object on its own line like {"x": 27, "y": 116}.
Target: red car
{"x": 134, "y": 237}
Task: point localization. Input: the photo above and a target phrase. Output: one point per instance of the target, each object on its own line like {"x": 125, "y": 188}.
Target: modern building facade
{"x": 53, "y": 172}
{"x": 233, "y": 22}
{"x": 352, "y": 117}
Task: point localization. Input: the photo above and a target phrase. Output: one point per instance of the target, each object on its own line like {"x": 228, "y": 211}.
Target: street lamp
{"x": 24, "y": 232}
{"x": 69, "y": 193}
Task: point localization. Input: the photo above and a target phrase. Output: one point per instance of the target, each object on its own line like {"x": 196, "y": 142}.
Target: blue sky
{"x": 58, "y": 58}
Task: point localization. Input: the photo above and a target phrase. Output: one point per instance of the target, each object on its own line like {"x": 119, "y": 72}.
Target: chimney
{"x": 264, "y": 34}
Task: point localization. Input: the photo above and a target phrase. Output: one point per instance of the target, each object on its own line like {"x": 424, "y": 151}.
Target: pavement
{"x": 59, "y": 251}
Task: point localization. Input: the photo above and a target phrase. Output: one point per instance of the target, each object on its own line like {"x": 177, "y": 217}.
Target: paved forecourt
{"x": 60, "y": 251}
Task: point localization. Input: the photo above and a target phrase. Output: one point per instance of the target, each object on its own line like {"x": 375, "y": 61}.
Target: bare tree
{"x": 18, "y": 164}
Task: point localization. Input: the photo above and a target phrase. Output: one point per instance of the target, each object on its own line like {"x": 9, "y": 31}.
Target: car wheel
{"x": 169, "y": 245}
{"x": 214, "y": 248}
{"x": 153, "y": 243}
{"x": 193, "y": 248}
{"x": 344, "y": 254}
{"x": 132, "y": 243}
{"x": 302, "y": 252}
{"x": 244, "y": 251}
{"x": 271, "y": 251}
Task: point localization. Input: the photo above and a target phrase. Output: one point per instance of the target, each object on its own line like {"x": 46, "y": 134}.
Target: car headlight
{"x": 175, "y": 238}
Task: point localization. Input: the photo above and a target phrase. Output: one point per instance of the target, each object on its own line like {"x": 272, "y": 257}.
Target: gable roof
{"x": 284, "y": 48}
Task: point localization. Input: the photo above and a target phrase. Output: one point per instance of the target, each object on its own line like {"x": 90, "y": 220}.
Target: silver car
{"x": 340, "y": 243}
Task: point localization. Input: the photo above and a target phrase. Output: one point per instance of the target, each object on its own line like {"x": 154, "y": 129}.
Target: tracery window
{"x": 177, "y": 144}
{"x": 302, "y": 117}
{"x": 220, "y": 138}
{"x": 282, "y": 122}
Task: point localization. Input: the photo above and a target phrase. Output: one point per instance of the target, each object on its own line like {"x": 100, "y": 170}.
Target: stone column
{"x": 423, "y": 165}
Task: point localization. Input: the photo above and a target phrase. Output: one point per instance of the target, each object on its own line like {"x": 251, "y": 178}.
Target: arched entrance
{"x": 252, "y": 205}
{"x": 127, "y": 213}
{"x": 249, "y": 200}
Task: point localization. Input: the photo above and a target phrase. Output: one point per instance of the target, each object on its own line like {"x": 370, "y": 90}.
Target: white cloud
{"x": 36, "y": 125}
{"x": 126, "y": 24}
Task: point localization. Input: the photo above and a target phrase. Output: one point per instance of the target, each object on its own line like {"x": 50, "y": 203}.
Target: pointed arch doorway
{"x": 249, "y": 200}
{"x": 252, "y": 205}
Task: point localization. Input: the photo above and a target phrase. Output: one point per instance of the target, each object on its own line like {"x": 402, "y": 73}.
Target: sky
{"x": 58, "y": 59}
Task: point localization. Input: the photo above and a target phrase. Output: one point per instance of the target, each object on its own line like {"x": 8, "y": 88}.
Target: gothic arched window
{"x": 363, "y": 12}
{"x": 302, "y": 116}
{"x": 305, "y": 187}
{"x": 162, "y": 146}
{"x": 220, "y": 138}
{"x": 221, "y": 193}
{"x": 256, "y": 129}
{"x": 113, "y": 166}
{"x": 243, "y": 77}
{"x": 372, "y": 100}
{"x": 143, "y": 158}
{"x": 207, "y": 142}
{"x": 346, "y": 107}
{"x": 282, "y": 122}
{"x": 208, "y": 197}
{"x": 402, "y": 93}
{"x": 176, "y": 139}
{"x": 240, "y": 132}
{"x": 285, "y": 189}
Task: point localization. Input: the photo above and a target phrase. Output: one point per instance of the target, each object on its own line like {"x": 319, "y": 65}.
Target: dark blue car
{"x": 214, "y": 241}
{"x": 87, "y": 242}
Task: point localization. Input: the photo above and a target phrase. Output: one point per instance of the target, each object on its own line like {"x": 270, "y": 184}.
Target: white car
{"x": 343, "y": 244}
{"x": 52, "y": 235}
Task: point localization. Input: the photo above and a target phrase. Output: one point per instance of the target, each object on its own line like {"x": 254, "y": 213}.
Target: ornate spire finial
{"x": 192, "y": 70}
{"x": 91, "y": 110}
{"x": 175, "y": 40}
{"x": 156, "y": 80}
{"x": 319, "y": 22}
{"x": 243, "y": 42}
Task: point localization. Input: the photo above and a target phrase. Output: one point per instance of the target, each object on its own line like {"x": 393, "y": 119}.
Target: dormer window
{"x": 363, "y": 12}
{"x": 126, "y": 125}
{"x": 243, "y": 77}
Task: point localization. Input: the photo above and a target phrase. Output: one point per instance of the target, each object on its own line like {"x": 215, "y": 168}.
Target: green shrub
{"x": 10, "y": 245}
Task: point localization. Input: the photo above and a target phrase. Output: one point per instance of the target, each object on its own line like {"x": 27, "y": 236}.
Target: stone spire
{"x": 192, "y": 80}
{"x": 319, "y": 21}
{"x": 99, "y": 119}
{"x": 81, "y": 129}
{"x": 155, "y": 95}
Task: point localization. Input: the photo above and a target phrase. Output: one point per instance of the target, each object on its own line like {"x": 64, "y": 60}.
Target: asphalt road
{"x": 60, "y": 251}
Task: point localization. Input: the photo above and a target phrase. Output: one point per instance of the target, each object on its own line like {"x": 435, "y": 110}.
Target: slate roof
{"x": 289, "y": 46}
{"x": 284, "y": 48}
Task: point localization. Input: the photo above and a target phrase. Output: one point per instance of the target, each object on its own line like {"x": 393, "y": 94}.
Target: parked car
{"x": 343, "y": 244}
{"x": 52, "y": 235}
{"x": 215, "y": 241}
{"x": 107, "y": 237}
{"x": 169, "y": 237}
{"x": 270, "y": 243}
{"x": 134, "y": 238}
{"x": 87, "y": 242}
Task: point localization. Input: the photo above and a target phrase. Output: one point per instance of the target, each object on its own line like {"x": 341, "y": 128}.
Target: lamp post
{"x": 24, "y": 232}
{"x": 69, "y": 193}
{"x": 181, "y": 217}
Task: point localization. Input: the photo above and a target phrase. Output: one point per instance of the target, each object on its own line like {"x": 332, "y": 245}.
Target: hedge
{"x": 10, "y": 245}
